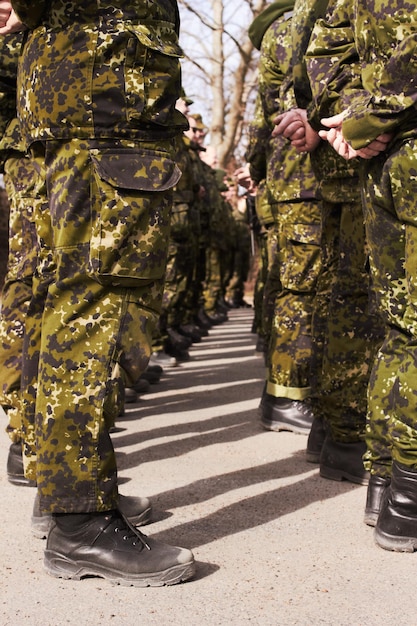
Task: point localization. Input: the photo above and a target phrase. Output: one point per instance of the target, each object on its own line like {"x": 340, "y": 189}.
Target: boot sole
{"x": 339, "y": 475}
{"x": 40, "y": 527}
{"x": 394, "y": 543}
{"x": 312, "y": 457}
{"x": 370, "y": 519}
{"x": 60, "y": 566}
{"x": 20, "y": 481}
{"x": 279, "y": 426}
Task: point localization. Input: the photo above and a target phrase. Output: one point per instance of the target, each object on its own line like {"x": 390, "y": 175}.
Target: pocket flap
{"x": 143, "y": 170}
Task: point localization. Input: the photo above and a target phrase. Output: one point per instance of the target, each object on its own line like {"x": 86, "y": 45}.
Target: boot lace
{"x": 130, "y": 533}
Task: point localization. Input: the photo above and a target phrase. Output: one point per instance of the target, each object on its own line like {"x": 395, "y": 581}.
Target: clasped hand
{"x": 336, "y": 139}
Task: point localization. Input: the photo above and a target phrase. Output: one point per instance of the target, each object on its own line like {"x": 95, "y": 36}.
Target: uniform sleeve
{"x": 258, "y": 137}
{"x": 306, "y": 13}
{"x": 332, "y": 63}
{"x": 387, "y": 44}
{"x": 272, "y": 78}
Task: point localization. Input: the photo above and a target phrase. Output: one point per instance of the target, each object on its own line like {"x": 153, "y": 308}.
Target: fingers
{"x": 5, "y": 10}
{"x": 335, "y": 138}
{"x": 289, "y": 124}
{"x": 12, "y": 24}
{"x": 334, "y": 121}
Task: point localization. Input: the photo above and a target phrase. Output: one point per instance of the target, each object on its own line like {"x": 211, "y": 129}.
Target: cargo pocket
{"x": 131, "y": 214}
{"x": 302, "y": 257}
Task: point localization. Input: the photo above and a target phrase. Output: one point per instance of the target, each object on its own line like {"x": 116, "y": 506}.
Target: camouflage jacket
{"x": 317, "y": 90}
{"x": 363, "y": 62}
{"x": 99, "y": 70}
{"x": 288, "y": 174}
{"x": 306, "y": 13}
{"x": 385, "y": 38}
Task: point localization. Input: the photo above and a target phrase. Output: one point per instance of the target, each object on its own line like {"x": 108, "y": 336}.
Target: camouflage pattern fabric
{"x": 263, "y": 315}
{"x": 98, "y": 85}
{"x": 10, "y": 47}
{"x": 346, "y": 329}
{"x": 18, "y": 256}
{"x": 392, "y": 234}
{"x": 23, "y": 186}
{"x": 294, "y": 256}
{"x": 96, "y": 323}
{"x": 217, "y": 244}
{"x": 183, "y": 243}
{"x": 297, "y": 265}
{"x": 239, "y": 263}
{"x": 120, "y": 61}
{"x": 378, "y": 98}
{"x": 386, "y": 102}
{"x": 200, "y": 217}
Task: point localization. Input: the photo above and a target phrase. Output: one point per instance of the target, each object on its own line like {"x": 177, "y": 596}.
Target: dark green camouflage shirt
{"x": 288, "y": 174}
{"x": 98, "y": 70}
{"x": 361, "y": 59}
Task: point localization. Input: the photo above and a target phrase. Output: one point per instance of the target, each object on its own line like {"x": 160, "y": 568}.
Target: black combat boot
{"x": 285, "y": 414}
{"x": 396, "y": 528}
{"x": 374, "y": 495}
{"x": 176, "y": 341}
{"x": 15, "y": 472}
{"x": 315, "y": 440}
{"x": 191, "y": 331}
{"x": 108, "y": 546}
{"x": 343, "y": 461}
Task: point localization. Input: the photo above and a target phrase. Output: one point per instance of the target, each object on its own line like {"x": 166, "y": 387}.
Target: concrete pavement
{"x": 274, "y": 543}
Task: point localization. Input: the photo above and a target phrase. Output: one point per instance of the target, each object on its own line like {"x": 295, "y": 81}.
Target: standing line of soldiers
{"x": 321, "y": 327}
{"x": 209, "y": 247}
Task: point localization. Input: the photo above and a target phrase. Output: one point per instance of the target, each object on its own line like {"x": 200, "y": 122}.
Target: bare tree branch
{"x": 221, "y": 77}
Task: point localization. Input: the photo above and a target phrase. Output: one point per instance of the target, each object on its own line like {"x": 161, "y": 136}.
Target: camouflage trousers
{"x": 23, "y": 187}
{"x": 346, "y": 329}
{"x": 103, "y": 233}
{"x": 295, "y": 261}
{"x": 182, "y": 259}
{"x": 391, "y": 223}
{"x": 213, "y": 281}
{"x": 239, "y": 265}
{"x": 261, "y": 248}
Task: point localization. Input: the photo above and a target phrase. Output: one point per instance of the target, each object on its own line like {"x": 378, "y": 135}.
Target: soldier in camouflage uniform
{"x": 176, "y": 318}
{"x": 239, "y": 249}
{"x": 347, "y": 331}
{"x": 22, "y": 186}
{"x": 26, "y": 193}
{"x": 294, "y": 239}
{"x": 97, "y": 87}
{"x": 379, "y": 124}
{"x": 260, "y": 219}
{"x": 217, "y": 238}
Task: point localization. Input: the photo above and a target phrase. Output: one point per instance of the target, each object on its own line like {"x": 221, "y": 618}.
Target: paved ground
{"x": 275, "y": 544}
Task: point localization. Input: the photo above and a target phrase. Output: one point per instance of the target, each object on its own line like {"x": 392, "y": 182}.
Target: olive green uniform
{"x": 346, "y": 328}
{"x": 386, "y": 103}
{"x": 22, "y": 187}
{"x": 97, "y": 88}
{"x": 294, "y": 240}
